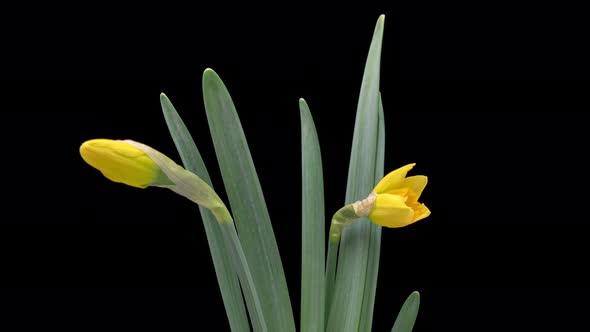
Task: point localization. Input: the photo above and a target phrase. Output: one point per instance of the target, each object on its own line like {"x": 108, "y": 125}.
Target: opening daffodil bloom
{"x": 396, "y": 199}
{"x": 392, "y": 203}
{"x": 138, "y": 165}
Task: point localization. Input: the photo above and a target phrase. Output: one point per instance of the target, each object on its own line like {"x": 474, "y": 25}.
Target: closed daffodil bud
{"x": 122, "y": 162}
{"x": 138, "y": 165}
{"x": 395, "y": 199}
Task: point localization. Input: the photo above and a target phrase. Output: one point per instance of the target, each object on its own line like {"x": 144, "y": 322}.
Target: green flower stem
{"x": 222, "y": 215}
{"x": 331, "y": 272}
{"x": 234, "y": 248}
{"x": 341, "y": 218}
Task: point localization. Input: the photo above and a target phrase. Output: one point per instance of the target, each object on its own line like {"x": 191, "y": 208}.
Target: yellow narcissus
{"x": 122, "y": 162}
{"x": 141, "y": 166}
{"x": 395, "y": 199}
{"x": 393, "y": 203}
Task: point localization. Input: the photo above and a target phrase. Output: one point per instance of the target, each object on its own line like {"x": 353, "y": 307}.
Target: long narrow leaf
{"x": 313, "y": 226}
{"x": 247, "y": 203}
{"x": 375, "y": 236}
{"x": 346, "y": 307}
{"x": 226, "y": 277}
{"x": 407, "y": 315}
{"x": 234, "y": 248}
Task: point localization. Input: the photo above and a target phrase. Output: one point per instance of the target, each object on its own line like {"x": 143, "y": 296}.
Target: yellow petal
{"x": 391, "y": 211}
{"x": 421, "y": 212}
{"x": 416, "y": 184}
{"x": 120, "y": 162}
{"x": 393, "y": 180}
{"x": 403, "y": 192}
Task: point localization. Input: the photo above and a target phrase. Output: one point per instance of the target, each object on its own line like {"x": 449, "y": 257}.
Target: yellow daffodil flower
{"x": 141, "y": 166}
{"x": 392, "y": 203}
{"x": 396, "y": 199}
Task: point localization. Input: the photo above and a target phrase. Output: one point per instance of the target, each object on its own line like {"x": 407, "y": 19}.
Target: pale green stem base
{"x": 341, "y": 218}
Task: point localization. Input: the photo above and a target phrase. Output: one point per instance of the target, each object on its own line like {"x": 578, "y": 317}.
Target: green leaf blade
{"x": 226, "y": 276}
{"x": 346, "y": 307}
{"x": 407, "y": 315}
{"x": 375, "y": 235}
{"x": 313, "y": 227}
{"x": 234, "y": 248}
{"x": 247, "y": 203}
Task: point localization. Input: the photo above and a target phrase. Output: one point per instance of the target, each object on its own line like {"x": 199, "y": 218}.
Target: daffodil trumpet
{"x": 138, "y": 165}
{"x": 392, "y": 203}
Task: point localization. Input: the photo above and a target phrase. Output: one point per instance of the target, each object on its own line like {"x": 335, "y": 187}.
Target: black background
{"x": 482, "y": 97}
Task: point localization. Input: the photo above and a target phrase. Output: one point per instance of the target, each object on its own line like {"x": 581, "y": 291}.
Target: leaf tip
{"x": 380, "y": 21}
{"x": 210, "y": 75}
{"x": 414, "y": 299}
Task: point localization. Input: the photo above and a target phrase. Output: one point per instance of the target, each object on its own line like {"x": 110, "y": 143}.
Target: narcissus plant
{"x": 338, "y": 288}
